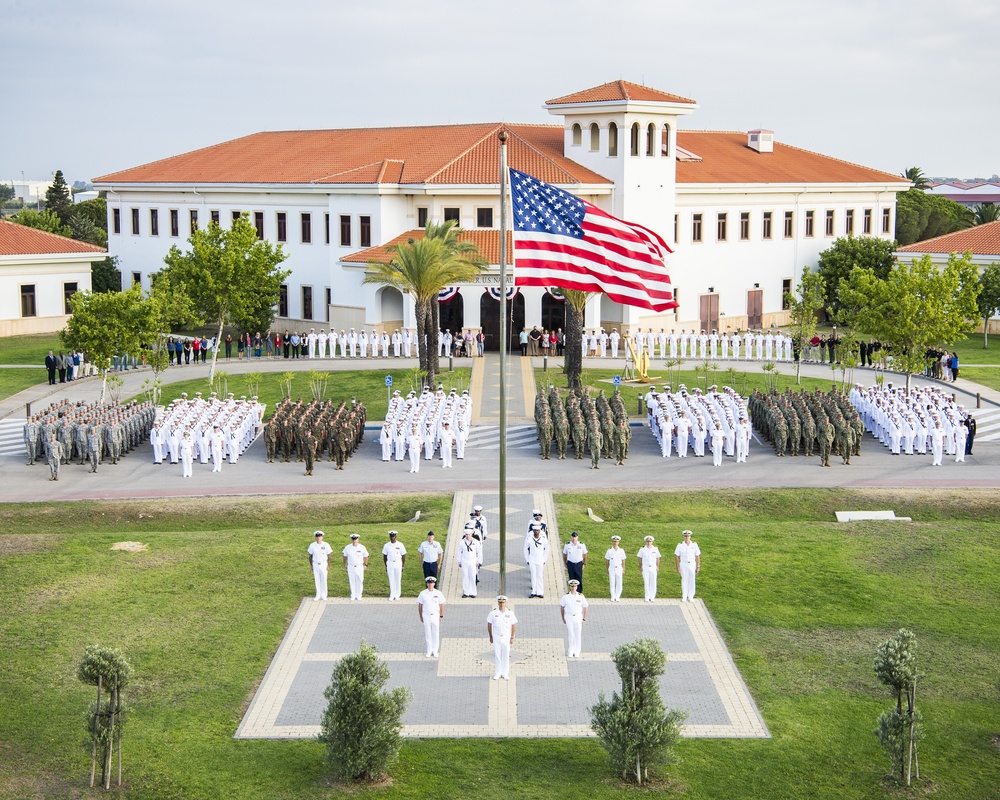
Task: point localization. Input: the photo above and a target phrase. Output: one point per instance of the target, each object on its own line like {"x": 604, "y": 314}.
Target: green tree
{"x": 84, "y": 230}
{"x": 846, "y": 253}
{"x": 361, "y": 723}
{"x": 42, "y": 220}
{"x": 105, "y": 276}
{"x": 107, "y": 669}
{"x": 988, "y": 300}
{"x": 635, "y": 727}
{"x": 58, "y": 199}
{"x": 230, "y": 275}
{"x": 915, "y": 175}
{"x": 804, "y": 309}
{"x": 576, "y": 302}
{"x": 922, "y": 216}
{"x": 422, "y": 268}
{"x": 899, "y": 729}
{"x": 985, "y": 213}
{"x": 95, "y": 210}
{"x": 6, "y": 192}
{"x": 916, "y": 307}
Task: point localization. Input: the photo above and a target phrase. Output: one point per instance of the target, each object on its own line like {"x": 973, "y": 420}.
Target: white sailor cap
{"x": 477, "y": 508}
{"x": 536, "y": 527}
{"x": 616, "y": 538}
{"x": 648, "y": 539}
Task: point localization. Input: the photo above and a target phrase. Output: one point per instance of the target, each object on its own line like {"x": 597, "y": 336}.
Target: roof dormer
{"x": 761, "y": 140}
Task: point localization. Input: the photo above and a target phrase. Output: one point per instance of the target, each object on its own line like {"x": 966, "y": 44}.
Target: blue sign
{"x": 618, "y": 380}
{"x": 388, "y": 380}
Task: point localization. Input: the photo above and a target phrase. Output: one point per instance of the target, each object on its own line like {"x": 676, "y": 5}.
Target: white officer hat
{"x": 616, "y": 538}
{"x": 394, "y": 533}
{"x": 318, "y": 533}
{"x": 574, "y": 582}
{"x": 687, "y": 533}
{"x": 430, "y": 579}
{"x": 355, "y": 536}
{"x": 501, "y": 598}
{"x": 649, "y": 539}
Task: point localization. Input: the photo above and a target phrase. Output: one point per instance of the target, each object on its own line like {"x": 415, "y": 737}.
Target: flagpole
{"x": 502, "y": 506}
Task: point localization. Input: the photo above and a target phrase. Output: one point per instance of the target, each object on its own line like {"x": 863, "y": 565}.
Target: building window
{"x": 69, "y": 289}
{"x": 326, "y": 227}
{"x": 849, "y": 222}
{"x": 810, "y": 223}
{"x": 744, "y": 226}
{"x": 452, "y": 214}
{"x": 766, "y": 227}
{"x": 666, "y": 140}
{"x": 720, "y": 228}
{"x": 307, "y": 302}
{"x": 283, "y": 300}
{"x": 612, "y": 139}
{"x": 236, "y": 216}
{"x": 215, "y": 217}
{"x": 116, "y": 220}
{"x": 886, "y": 220}
{"x": 866, "y": 222}
{"x": 154, "y": 222}
{"x": 28, "y": 300}
{"x": 634, "y": 140}
{"x": 484, "y": 217}
{"x": 577, "y": 134}
{"x": 696, "y": 228}
{"x": 651, "y": 140}
{"x": 137, "y": 279}
{"x": 595, "y": 137}
{"x": 365, "y": 231}
{"x": 786, "y": 289}
{"x": 258, "y": 223}
{"x": 829, "y": 222}
{"x": 789, "y": 224}
{"x": 282, "y": 220}
{"x": 135, "y": 221}
{"x": 422, "y": 217}
{"x": 345, "y": 230}
{"x": 306, "y": 225}
{"x": 329, "y": 300}
{"x": 193, "y": 214}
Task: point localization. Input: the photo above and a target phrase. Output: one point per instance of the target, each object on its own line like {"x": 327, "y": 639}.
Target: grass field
{"x": 29, "y": 349}
{"x": 801, "y": 600}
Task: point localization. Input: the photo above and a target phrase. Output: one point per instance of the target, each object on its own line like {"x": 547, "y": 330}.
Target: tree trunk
{"x": 986, "y": 327}
{"x": 433, "y": 325}
{"x": 215, "y": 354}
{"x": 97, "y": 719}
{"x": 573, "y": 352}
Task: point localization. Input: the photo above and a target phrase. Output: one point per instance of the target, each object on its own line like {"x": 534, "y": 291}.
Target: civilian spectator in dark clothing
{"x": 50, "y": 366}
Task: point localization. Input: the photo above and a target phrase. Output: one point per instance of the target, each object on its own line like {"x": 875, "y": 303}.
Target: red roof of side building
{"x": 19, "y": 240}
{"x": 618, "y": 91}
{"x": 486, "y": 239}
{"x": 980, "y": 240}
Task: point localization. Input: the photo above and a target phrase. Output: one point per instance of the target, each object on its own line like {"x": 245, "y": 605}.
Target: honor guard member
{"x": 687, "y": 556}
{"x": 649, "y": 560}
{"x": 319, "y": 561}
{"x": 575, "y": 558}
{"x": 432, "y": 554}
{"x": 573, "y": 610}
{"x": 356, "y": 562}
{"x": 394, "y": 558}
{"x": 470, "y": 559}
{"x": 430, "y": 609}
{"x": 615, "y": 558}
{"x": 536, "y": 552}
{"x": 501, "y": 625}
{"x": 476, "y": 515}
{"x": 536, "y": 519}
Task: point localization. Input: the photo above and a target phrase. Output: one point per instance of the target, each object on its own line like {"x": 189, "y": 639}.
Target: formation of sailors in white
{"x": 681, "y": 421}
{"x": 750, "y": 345}
{"x": 205, "y": 429}
{"x": 352, "y": 344}
{"x": 425, "y": 424}
{"x": 914, "y": 421}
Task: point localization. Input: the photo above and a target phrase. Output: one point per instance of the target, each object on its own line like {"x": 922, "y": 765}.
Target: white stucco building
{"x": 39, "y": 272}
{"x": 744, "y": 211}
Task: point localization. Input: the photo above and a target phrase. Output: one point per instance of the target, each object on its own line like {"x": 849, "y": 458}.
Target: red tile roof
{"x": 981, "y": 240}
{"x": 487, "y": 240}
{"x": 618, "y": 90}
{"x": 19, "y": 240}
{"x": 414, "y": 155}
{"x": 726, "y": 158}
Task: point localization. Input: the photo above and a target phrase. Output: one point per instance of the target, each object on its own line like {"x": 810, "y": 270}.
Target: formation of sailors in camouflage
{"x": 914, "y": 421}
{"x": 684, "y": 421}
{"x": 308, "y": 430}
{"x": 89, "y": 433}
{"x": 598, "y": 425}
{"x": 205, "y": 429}
{"x": 424, "y": 424}
{"x": 760, "y": 345}
{"x": 798, "y": 422}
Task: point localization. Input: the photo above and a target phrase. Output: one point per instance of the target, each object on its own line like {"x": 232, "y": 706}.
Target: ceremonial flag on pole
{"x": 561, "y": 240}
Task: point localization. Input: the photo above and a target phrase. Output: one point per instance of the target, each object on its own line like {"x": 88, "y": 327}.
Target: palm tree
{"x": 573, "y": 364}
{"x": 423, "y": 267}
{"x": 985, "y": 212}
{"x": 916, "y": 176}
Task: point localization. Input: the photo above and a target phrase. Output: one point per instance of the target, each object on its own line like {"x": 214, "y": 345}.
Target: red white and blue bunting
{"x": 512, "y": 292}
{"x": 556, "y": 293}
{"x": 447, "y": 294}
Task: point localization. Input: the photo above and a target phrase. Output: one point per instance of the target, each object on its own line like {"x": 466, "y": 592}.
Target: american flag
{"x": 561, "y": 240}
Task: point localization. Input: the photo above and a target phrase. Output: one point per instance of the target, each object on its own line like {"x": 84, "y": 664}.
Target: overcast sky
{"x": 94, "y": 86}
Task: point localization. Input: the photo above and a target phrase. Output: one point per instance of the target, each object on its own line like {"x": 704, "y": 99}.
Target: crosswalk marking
{"x": 12, "y": 438}
{"x": 487, "y": 437}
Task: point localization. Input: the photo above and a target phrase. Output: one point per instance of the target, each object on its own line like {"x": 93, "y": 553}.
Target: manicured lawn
{"x": 987, "y": 376}
{"x": 970, "y": 350}
{"x": 29, "y": 349}
{"x": 801, "y": 600}
{"x": 13, "y": 381}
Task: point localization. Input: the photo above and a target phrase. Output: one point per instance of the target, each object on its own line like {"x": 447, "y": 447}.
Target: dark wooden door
{"x": 709, "y": 312}
{"x": 755, "y": 308}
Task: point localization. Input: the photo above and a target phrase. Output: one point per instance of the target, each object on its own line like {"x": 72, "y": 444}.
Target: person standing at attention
{"x": 394, "y": 558}
{"x": 319, "y": 560}
{"x": 573, "y": 610}
{"x": 615, "y": 558}
{"x": 356, "y": 562}
{"x": 501, "y": 625}
{"x": 687, "y": 556}
{"x": 575, "y": 558}
{"x": 649, "y": 559}
{"x": 432, "y": 554}
{"x": 430, "y": 609}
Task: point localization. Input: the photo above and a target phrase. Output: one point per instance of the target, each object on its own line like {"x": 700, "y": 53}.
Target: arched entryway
{"x": 452, "y": 314}
{"x": 553, "y": 313}
{"x": 489, "y": 319}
